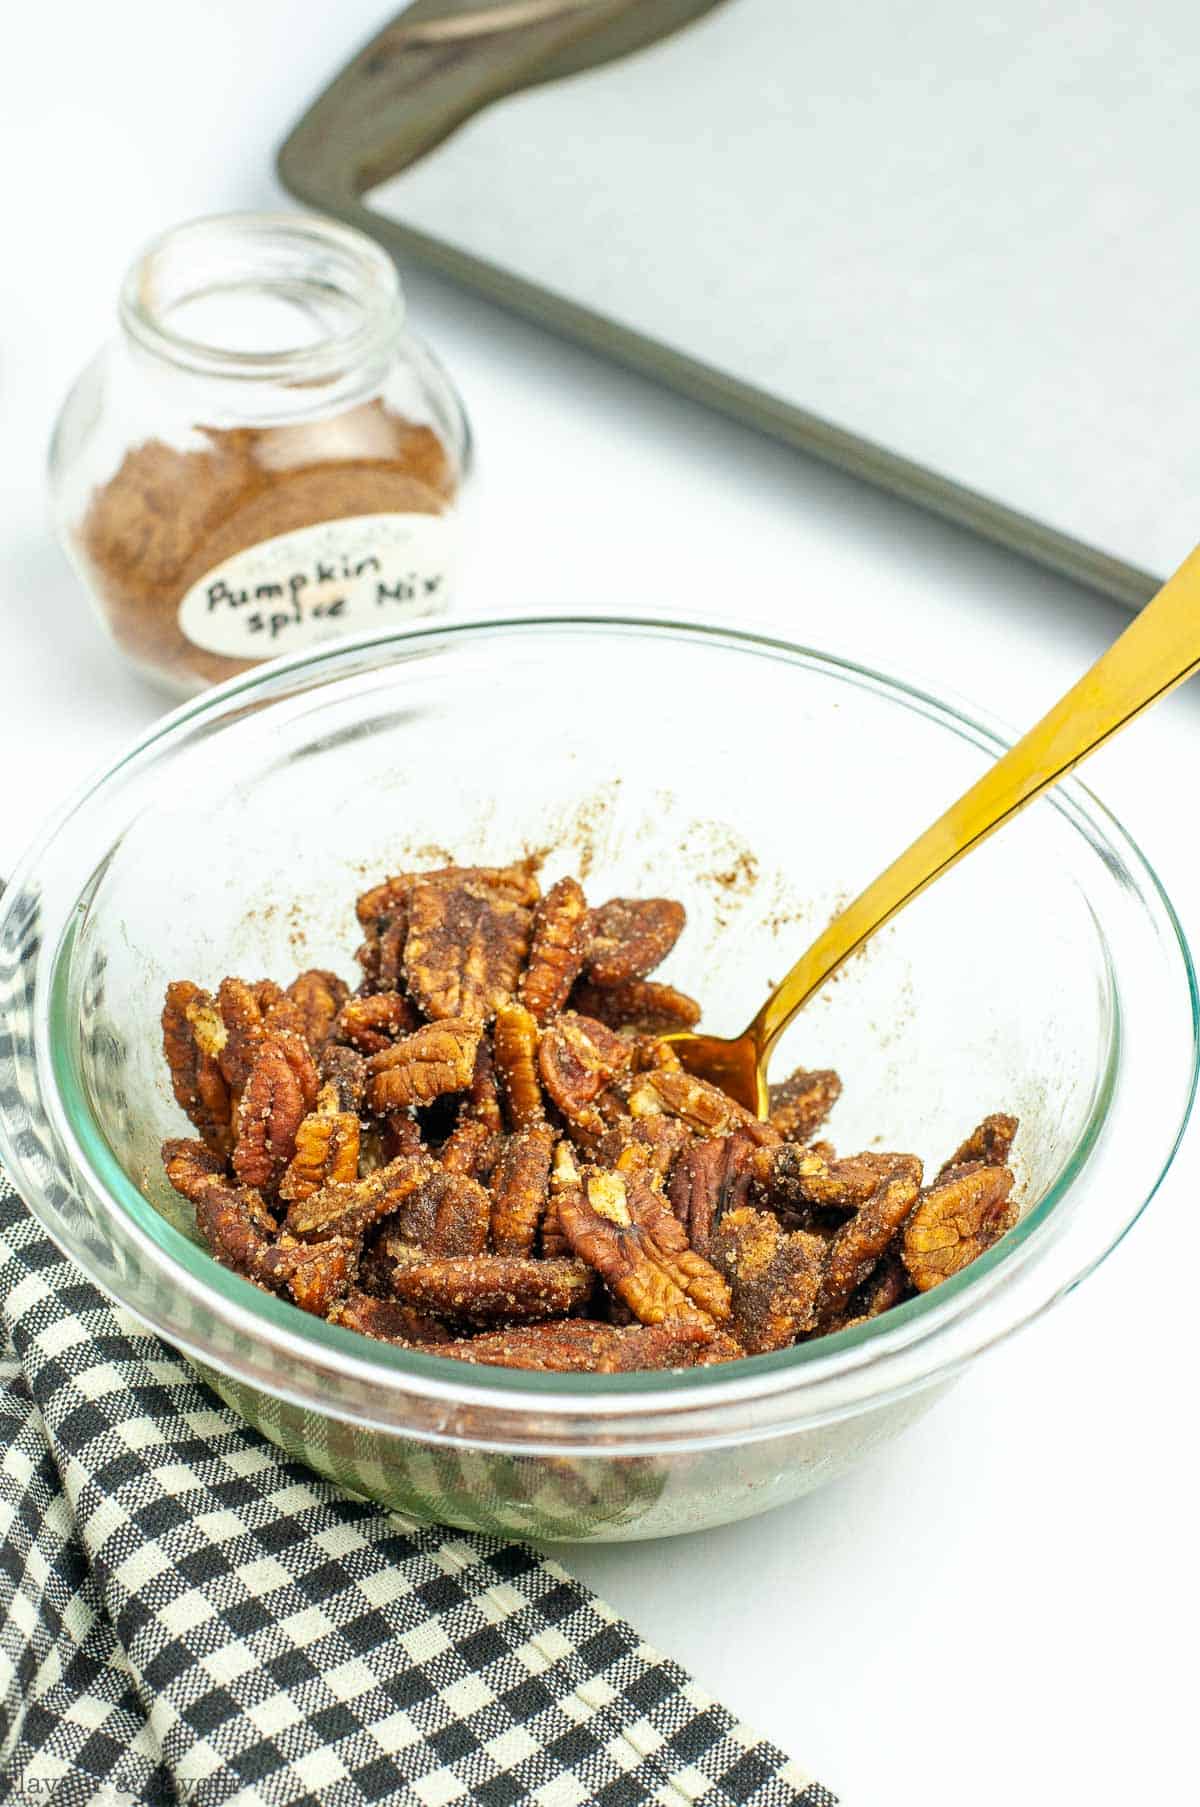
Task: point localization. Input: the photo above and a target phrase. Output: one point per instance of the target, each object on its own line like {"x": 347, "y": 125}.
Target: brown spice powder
{"x": 168, "y": 517}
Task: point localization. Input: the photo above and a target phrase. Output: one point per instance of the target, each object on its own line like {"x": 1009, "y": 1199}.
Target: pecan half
{"x": 515, "y": 1049}
{"x": 703, "y": 1107}
{"x": 315, "y": 1274}
{"x": 577, "y": 1058}
{"x": 388, "y": 899}
{"x": 318, "y": 996}
{"x": 629, "y": 936}
{"x": 373, "y": 1023}
{"x": 468, "y": 935}
{"x": 470, "y": 1148}
{"x": 557, "y": 948}
{"x": 520, "y": 1187}
{"x": 963, "y": 1213}
{"x": 249, "y": 1014}
{"x": 347, "y": 1070}
{"x": 564, "y": 1177}
{"x": 490, "y": 1289}
{"x": 774, "y": 1274}
{"x": 388, "y": 1321}
{"x": 280, "y": 1090}
{"x": 235, "y": 1223}
{"x": 327, "y": 1148}
{"x": 645, "y": 1005}
{"x": 860, "y": 1243}
{"x": 989, "y": 1142}
{"x": 437, "y": 1059}
{"x": 193, "y": 1038}
{"x": 710, "y": 1178}
{"x": 646, "y": 1146}
{"x": 191, "y": 1166}
{"x": 889, "y": 1285}
{"x": 639, "y": 1249}
{"x": 349, "y": 1210}
{"x": 448, "y": 1214}
{"x": 801, "y": 1103}
{"x": 583, "y": 1346}
{"x": 483, "y": 1095}
{"x": 804, "y": 1182}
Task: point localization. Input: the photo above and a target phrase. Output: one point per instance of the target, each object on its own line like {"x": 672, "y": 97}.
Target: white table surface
{"x": 999, "y": 1606}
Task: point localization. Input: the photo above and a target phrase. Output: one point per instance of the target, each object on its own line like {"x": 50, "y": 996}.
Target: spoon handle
{"x": 1159, "y": 649}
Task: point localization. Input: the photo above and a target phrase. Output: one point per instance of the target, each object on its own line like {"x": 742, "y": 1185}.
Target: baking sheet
{"x": 959, "y": 247}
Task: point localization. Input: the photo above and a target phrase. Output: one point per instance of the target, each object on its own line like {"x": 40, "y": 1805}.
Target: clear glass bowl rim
{"x": 928, "y": 1338}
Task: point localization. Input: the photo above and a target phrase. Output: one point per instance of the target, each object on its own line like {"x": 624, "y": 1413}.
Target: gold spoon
{"x": 1159, "y": 649}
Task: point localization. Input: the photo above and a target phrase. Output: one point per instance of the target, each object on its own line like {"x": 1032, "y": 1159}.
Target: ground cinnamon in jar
{"x": 169, "y": 522}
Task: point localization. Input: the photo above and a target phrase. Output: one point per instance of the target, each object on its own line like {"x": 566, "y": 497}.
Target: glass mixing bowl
{"x": 762, "y": 784}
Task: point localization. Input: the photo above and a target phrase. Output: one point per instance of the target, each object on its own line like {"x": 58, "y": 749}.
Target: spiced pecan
{"x": 347, "y": 1070}
{"x": 805, "y": 1183}
{"x": 318, "y": 996}
{"x": 651, "y": 1055}
{"x": 193, "y": 1038}
{"x": 471, "y": 1148}
{"x": 577, "y": 1059}
{"x": 647, "y": 1146}
{"x": 326, "y": 1149}
{"x": 639, "y": 1249}
{"x": 448, "y": 1214}
{"x": 314, "y": 1274}
{"x": 709, "y": 1178}
{"x": 399, "y": 1133}
{"x": 281, "y": 1088}
{"x": 557, "y": 947}
{"x": 468, "y": 935}
{"x": 584, "y": 1346}
{"x": 889, "y": 1285}
{"x": 964, "y": 1212}
{"x": 703, "y": 1107}
{"x": 645, "y": 1005}
{"x": 381, "y": 955}
{"x": 349, "y": 1210}
{"x": 520, "y": 1187}
{"x": 564, "y": 1177}
{"x": 437, "y": 1059}
{"x": 388, "y": 1321}
{"x": 191, "y": 1166}
{"x": 386, "y": 900}
{"x": 858, "y": 1246}
{"x": 249, "y": 1013}
{"x": 515, "y": 1050}
{"x": 989, "y": 1142}
{"x": 483, "y": 1095}
{"x": 235, "y": 1223}
{"x": 774, "y": 1275}
{"x": 376, "y": 1022}
{"x": 801, "y": 1103}
{"x": 493, "y": 1289}
{"x": 630, "y": 936}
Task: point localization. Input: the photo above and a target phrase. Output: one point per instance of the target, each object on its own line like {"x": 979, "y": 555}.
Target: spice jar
{"x": 264, "y": 457}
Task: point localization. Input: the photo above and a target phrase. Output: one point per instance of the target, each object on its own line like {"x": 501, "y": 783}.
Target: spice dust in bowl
{"x": 616, "y": 1359}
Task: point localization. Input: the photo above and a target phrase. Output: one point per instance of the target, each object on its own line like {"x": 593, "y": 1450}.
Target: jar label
{"x": 318, "y": 583}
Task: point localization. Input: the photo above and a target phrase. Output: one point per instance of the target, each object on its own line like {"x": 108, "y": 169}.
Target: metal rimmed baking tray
{"x": 953, "y": 253}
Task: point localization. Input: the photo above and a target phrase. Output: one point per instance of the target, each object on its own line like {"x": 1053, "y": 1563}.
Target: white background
{"x": 998, "y": 1607}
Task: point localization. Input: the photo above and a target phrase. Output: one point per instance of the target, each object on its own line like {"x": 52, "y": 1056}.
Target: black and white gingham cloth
{"x": 186, "y": 1616}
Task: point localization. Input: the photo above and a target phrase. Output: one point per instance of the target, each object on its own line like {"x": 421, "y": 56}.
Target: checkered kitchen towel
{"x": 186, "y": 1616}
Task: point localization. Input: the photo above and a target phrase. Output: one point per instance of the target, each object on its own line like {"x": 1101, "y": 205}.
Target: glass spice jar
{"x": 264, "y": 457}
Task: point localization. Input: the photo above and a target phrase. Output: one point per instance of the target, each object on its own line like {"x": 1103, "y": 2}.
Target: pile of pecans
{"x": 487, "y": 1152}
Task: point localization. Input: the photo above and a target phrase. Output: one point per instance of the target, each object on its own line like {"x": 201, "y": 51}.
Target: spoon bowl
{"x": 1159, "y": 650}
